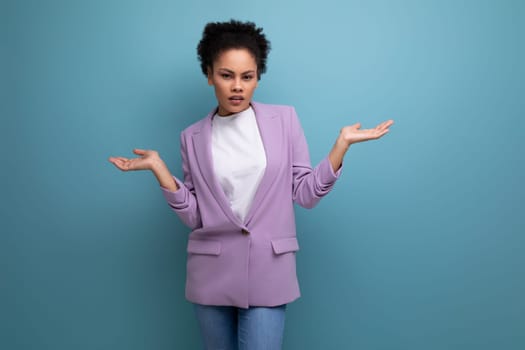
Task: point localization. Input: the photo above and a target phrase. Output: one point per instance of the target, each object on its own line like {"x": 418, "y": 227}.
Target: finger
{"x": 387, "y": 124}
{"x": 375, "y": 133}
{"x": 384, "y": 125}
{"x": 383, "y": 133}
{"x": 381, "y": 125}
{"x": 120, "y": 164}
{"x": 139, "y": 151}
{"x": 120, "y": 159}
{"x": 114, "y": 159}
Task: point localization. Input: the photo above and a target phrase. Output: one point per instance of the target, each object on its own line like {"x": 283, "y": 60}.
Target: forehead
{"x": 235, "y": 59}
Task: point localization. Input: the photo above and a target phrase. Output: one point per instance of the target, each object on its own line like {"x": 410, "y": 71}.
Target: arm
{"x": 180, "y": 197}
{"x": 183, "y": 201}
{"x": 310, "y": 185}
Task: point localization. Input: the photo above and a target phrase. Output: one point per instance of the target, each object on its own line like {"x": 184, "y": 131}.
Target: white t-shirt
{"x": 239, "y": 160}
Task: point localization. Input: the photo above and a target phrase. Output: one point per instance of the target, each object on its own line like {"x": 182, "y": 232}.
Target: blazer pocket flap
{"x": 285, "y": 245}
{"x": 204, "y": 247}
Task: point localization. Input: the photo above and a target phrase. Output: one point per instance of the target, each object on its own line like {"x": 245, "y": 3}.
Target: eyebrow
{"x": 232, "y": 72}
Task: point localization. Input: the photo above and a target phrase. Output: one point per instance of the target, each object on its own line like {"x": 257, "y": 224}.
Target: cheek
{"x": 220, "y": 90}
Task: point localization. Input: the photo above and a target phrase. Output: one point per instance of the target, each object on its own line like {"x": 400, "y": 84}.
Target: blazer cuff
{"x": 178, "y": 197}
{"x": 328, "y": 176}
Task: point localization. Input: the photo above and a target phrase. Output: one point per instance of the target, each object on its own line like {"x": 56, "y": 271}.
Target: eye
{"x": 225, "y": 75}
{"x": 247, "y": 77}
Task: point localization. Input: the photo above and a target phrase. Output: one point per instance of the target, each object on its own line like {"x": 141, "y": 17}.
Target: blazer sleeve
{"x": 309, "y": 185}
{"x": 183, "y": 201}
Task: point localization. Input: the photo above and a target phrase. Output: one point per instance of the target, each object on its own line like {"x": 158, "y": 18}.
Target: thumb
{"x": 357, "y": 125}
{"x": 139, "y": 151}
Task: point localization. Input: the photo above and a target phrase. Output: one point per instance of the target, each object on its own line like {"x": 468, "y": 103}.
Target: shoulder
{"x": 273, "y": 109}
{"x": 197, "y": 126}
{"x": 285, "y": 113}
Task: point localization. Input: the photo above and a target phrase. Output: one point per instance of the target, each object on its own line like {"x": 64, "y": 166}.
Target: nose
{"x": 237, "y": 85}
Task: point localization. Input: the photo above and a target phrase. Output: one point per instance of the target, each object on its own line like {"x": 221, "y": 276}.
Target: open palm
{"x": 144, "y": 162}
{"x": 354, "y": 133}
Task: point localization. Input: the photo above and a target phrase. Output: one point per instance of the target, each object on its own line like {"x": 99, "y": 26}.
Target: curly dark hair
{"x": 220, "y": 36}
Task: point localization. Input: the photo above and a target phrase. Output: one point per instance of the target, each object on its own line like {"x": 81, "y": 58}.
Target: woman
{"x": 244, "y": 165}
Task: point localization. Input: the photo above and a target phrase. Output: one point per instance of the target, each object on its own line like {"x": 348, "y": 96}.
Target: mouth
{"x": 236, "y": 98}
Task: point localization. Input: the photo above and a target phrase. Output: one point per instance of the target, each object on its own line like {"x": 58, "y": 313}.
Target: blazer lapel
{"x": 272, "y": 138}
{"x": 202, "y": 148}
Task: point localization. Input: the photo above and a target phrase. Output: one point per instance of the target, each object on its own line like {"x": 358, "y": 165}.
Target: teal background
{"x": 419, "y": 246}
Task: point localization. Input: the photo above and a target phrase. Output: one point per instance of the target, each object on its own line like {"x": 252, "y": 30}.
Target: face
{"x": 234, "y": 77}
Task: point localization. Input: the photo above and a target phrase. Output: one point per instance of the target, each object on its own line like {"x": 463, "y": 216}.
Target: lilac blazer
{"x": 250, "y": 263}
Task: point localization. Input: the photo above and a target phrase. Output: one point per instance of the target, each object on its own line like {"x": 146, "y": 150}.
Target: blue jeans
{"x": 233, "y": 328}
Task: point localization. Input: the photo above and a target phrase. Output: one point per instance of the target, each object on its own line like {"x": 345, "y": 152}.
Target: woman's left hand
{"x": 354, "y": 134}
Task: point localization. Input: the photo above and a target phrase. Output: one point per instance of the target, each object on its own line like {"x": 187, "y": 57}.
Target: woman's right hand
{"x": 147, "y": 161}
